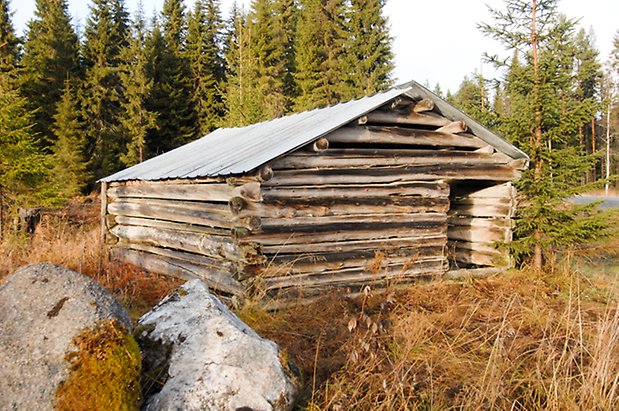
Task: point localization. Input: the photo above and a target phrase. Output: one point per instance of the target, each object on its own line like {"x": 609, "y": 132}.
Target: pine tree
{"x": 543, "y": 120}
{"x": 50, "y": 57}
{"x": 204, "y": 51}
{"x": 69, "y": 174}
{"x": 136, "y": 120}
{"x": 105, "y": 36}
{"x": 321, "y": 68}
{"x": 172, "y": 94}
{"x": 368, "y": 47}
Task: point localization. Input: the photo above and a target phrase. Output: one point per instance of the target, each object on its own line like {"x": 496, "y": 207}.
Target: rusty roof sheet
{"x": 228, "y": 151}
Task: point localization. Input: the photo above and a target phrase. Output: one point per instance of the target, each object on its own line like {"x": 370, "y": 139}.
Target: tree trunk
{"x": 537, "y": 134}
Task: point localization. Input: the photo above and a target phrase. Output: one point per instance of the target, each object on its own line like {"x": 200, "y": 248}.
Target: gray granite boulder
{"x": 42, "y": 308}
{"x": 209, "y": 359}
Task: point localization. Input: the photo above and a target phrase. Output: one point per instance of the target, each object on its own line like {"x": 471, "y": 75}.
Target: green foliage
{"x": 107, "y": 33}
{"x": 105, "y": 371}
{"x": 69, "y": 173}
{"x": 172, "y": 93}
{"x": 542, "y": 113}
{"x": 23, "y": 167}
{"x": 320, "y": 54}
{"x": 205, "y": 55}
{"x": 9, "y": 43}
{"x": 50, "y": 57}
{"x": 368, "y": 47}
{"x": 241, "y": 107}
{"x": 472, "y": 98}
{"x": 136, "y": 120}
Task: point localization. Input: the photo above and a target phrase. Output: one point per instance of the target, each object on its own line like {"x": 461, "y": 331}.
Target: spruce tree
{"x": 69, "y": 173}
{"x": 321, "y": 67}
{"x": 588, "y": 76}
{"x": 271, "y": 24}
{"x": 9, "y": 46}
{"x": 23, "y": 167}
{"x": 50, "y": 57}
{"x": 241, "y": 106}
{"x": 205, "y": 54}
{"x": 368, "y": 47}
{"x": 106, "y": 35}
{"x": 172, "y": 94}
{"x": 543, "y": 120}
{"x": 136, "y": 120}
{"x": 473, "y": 98}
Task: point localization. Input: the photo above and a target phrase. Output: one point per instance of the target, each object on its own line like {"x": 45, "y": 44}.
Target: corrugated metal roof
{"x": 228, "y": 151}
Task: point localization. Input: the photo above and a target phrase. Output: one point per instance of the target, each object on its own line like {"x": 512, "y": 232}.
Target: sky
{"x": 434, "y": 41}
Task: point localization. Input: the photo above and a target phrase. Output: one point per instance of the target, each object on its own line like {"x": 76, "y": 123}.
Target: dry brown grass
{"x": 517, "y": 341}
{"x": 71, "y": 241}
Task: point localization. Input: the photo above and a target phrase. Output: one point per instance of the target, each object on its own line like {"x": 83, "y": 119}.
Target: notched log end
{"x": 237, "y": 204}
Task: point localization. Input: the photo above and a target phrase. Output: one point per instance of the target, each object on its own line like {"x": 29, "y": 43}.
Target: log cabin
{"x": 381, "y": 190}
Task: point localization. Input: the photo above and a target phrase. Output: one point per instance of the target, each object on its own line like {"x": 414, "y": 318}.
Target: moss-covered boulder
{"x": 65, "y": 343}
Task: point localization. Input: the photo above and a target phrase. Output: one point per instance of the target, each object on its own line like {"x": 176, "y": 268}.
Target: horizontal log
{"x": 504, "y": 190}
{"x": 312, "y": 176}
{"x": 282, "y": 298}
{"x": 481, "y": 258}
{"x": 362, "y": 220}
{"x": 193, "y": 192}
{"x": 383, "y": 244}
{"x": 423, "y": 157}
{"x": 479, "y": 234}
{"x": 483, "y": 210}
{"x": 220, "y": 281}
{"x": 403, "y": 136}
{"x": 487, "y": 248}
{"x": 352, "y": 193}
{"x": 454, "y": 127}
{"x": 292, "y": 210}
{"x": 398, "y": 117}
{"x": 316, "y": 263}
{"x": 169, "y": 225}
{"x": 456, "y": 220}
{"x": 211, "y": 215}
{"x": 217, "y": 264}
{"x": 191, "y": 242}
{"x": 435, "y": 266}
{"x": 349, "y": 234}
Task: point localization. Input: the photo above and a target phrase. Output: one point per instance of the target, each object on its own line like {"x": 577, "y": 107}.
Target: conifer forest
{"x": 76, "y": 106}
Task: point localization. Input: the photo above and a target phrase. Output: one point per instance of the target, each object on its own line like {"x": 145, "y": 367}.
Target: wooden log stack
{"x": 385, "y": 199}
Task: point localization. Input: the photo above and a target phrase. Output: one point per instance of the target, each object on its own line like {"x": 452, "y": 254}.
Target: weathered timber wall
{"x": 479, "y": 218}
{"x": 184, "y": 228}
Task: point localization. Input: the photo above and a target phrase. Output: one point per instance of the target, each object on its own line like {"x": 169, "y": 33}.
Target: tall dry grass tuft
{"x": 72, "y": 242}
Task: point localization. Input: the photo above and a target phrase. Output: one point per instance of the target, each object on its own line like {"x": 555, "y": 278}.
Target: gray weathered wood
{"x": 402, "y": 136}
{"x": 192, "y": 242}
{"x": 413, "y": 240}
{"x": 216, "y": 192}
{"x": 396, "y": 117}
{"x": 219, "y": 280}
